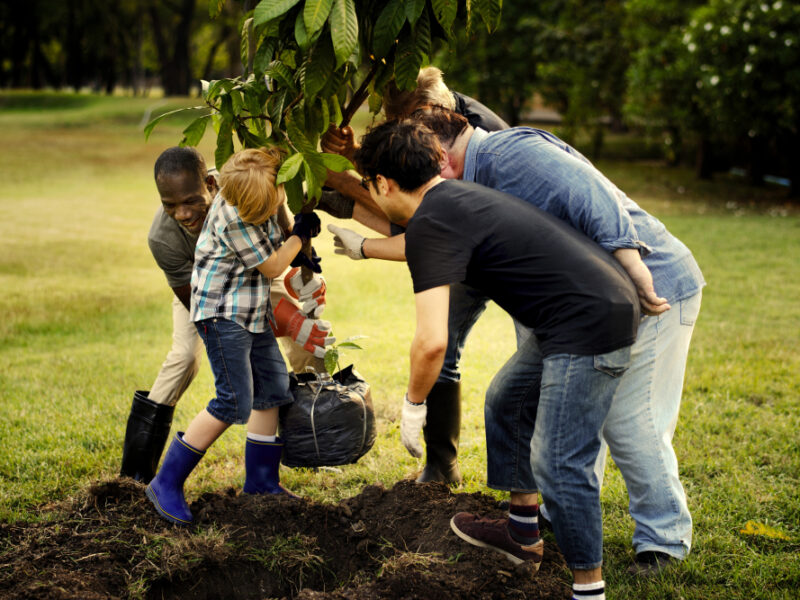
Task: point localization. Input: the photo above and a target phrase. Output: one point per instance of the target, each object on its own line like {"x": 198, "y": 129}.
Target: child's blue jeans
{"x": 249, "y": 371}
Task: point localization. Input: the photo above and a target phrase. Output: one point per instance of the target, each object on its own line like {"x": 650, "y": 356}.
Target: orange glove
{"x": 311, "y": 334}
{"x": 310, "y": 295}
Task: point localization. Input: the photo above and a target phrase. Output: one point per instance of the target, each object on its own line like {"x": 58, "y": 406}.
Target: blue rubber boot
{"x": 261, "y": 463}
{"x": 166, "y": 489}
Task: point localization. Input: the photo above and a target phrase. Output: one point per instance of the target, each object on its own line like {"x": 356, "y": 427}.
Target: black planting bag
{"x": 330, "y": 422}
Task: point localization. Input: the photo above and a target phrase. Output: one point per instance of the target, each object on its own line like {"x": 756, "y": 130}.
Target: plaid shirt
{"x": 225, "y": 281}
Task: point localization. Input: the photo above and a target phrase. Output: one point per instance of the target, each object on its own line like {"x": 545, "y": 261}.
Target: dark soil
{"x": 380, "y": 544}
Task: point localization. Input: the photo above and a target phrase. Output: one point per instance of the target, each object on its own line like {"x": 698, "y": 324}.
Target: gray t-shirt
{"x": 173, "y": 247}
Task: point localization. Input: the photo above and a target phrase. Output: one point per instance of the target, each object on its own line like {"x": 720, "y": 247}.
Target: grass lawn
{"x": 87, "y": 321}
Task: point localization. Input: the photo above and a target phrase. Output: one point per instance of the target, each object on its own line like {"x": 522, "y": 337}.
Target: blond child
{"x": 240, "y": 248}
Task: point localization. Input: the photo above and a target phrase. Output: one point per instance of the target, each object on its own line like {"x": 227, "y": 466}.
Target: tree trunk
{"x": 703, "y": 165}
{"x": 175, "y": 66}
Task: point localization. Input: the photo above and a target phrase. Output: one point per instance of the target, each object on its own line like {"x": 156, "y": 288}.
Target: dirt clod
{"x": 391, "y": 544}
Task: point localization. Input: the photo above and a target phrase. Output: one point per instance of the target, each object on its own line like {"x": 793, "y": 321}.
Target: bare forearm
{"x": 426, "y": 363}
{"x": 390, "y": 248}
{"x": 280, "y": 259}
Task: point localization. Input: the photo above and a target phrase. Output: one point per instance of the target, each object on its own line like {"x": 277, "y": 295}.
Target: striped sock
{"x": 589, "y": 591}
{"x": 523, "y": 523}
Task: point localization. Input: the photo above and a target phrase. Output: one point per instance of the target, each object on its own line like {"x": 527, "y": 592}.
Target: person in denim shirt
{"x": 540, "y": 168}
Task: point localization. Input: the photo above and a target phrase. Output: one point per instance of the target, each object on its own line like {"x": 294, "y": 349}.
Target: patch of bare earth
{"x": 381, "y": 543}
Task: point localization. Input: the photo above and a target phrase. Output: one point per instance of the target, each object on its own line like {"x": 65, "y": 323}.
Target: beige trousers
{"x": 183, "y": 360}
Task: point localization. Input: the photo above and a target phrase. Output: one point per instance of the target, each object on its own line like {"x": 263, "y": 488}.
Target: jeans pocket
{"x": 689, "y": 310}
{"x": 613, "y": 363}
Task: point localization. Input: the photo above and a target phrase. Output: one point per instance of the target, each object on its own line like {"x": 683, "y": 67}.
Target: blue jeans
{"x": 466, "y": 305}
{"x": 249, "y": 372}
{"x": 544, "y": 417}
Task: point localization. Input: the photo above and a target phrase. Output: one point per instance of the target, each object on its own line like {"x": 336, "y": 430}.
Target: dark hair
{"x": 180, "y": 160}
{"x": 446, "y": 124}
{"x": 403, "y": 150}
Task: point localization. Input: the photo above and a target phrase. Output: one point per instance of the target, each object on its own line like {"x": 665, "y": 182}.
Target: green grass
{"x": 86, "y": 321}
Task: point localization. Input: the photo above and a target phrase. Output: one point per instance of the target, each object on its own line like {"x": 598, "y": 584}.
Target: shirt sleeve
{"x": 436, "y": 255}
{"x": 248, "y": 242}
{"x": 568, "y": 187}
{"x": 176, "y": 266}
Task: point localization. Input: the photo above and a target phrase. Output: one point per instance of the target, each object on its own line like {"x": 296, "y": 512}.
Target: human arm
{"x": 184, "y": 294}
{"x": 427, "y": 357}
{"x": 356, "y": 246}
{"x": 632, "y": 262}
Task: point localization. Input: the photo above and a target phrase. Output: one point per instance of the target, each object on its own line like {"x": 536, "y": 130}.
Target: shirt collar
{"x": 471, "y": 154}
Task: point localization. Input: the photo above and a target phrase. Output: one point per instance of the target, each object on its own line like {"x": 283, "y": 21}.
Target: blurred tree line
{"x": 716, "y": 81}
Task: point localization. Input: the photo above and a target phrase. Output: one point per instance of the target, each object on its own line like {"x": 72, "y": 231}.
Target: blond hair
{"x": 430, "y": 91}
{"x": 248, "y": 182}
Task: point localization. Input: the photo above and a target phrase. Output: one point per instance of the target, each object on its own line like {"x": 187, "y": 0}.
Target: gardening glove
{"x": 310, "y": 295}
{"x": 302, "y": 260}
{"x": 311, "y": 334}
{"x": 306, "y": 226}
{"x": 336, "y": 204}
{"x": 347, "y": 242}
{"x": 411, "y": 424}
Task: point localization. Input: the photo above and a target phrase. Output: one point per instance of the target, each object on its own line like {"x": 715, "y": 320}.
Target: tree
{"x": 312, "y": 63}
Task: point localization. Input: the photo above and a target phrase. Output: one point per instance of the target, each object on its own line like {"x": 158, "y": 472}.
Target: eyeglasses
{"x": 365, "y": 181}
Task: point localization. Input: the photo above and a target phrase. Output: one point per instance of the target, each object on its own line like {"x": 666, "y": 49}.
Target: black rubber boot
{"x": 442, "y": 429}
{"x": 145, "y": 436}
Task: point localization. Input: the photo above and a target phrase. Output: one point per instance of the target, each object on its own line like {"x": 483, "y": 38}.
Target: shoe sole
{"x": 164, "y": 514}
{"x": 508, "y": 555}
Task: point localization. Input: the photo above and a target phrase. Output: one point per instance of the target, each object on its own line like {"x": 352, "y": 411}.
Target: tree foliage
{"x": 312, "y": 63}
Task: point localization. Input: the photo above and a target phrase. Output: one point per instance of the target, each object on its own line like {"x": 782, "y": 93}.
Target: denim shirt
{"x": 541, "y": 169}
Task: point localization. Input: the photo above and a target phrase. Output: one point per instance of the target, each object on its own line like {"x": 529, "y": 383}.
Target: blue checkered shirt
{"x": 225, "y": 281}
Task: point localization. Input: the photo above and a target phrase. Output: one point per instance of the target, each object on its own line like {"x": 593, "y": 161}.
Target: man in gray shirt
{"x": 187, "y": 189}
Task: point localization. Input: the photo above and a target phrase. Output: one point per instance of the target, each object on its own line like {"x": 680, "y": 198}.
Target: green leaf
{"x": 344, "y": 29}
{"x": 215, "y": 8}
{"x": 289, "y": 168}
{"x": 445, "y": 11}
{"x": 411, "y": 52}
{"x": 224, "y": 143}
{"x": 350, "y": 345}
{"x": 244, "y": 42}
{"x": 414, "y": 9}
{"x": 490, "y": 11}
{"x": 294, "y": 193}
{"x": 266, "y": 10}
{"x": 315, "y": 13}
{"x": 194, "y": 132}
{"x": 318, "y": 68}
{"x": 331, "y": 360}
{"x": 300, "y": 33}
{"x": 148, "y": 129}
{"x": 298, "y": 138}
{"x": 264, "y": 55}
{"x": 387, "y": 27}
{"x": 335, "y": 162}
{"x": 282, "y": 74}
{"x": 335, "y": 110}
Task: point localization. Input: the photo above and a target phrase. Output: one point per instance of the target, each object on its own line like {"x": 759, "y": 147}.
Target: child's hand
{"x": 306, "y": 226}
{"x": 302, "y": 260}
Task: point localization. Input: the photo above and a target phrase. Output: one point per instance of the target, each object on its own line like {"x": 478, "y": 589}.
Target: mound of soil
{"x": 379, "y": 544}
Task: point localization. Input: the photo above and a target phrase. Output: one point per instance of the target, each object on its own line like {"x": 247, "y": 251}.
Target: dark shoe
{"x": 494, "y": 534}
{"x": 650, "y": 563}
{"x": 442, "y": 430}
{"x": 262, "y": 463}
{"x": 166, "y": 489}
{"x": 145, "y": 436}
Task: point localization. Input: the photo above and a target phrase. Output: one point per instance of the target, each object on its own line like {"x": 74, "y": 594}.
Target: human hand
{"x": 338, "y": 140}
{"x": 306, "y": 226}
{"x": 632, "y": 262}
{"x": 303, "y": 260}
{"x": 411, "y": 424}
{"x": 347, "y": 242}
{"x": 310, "y": 295}
{"x": 312, "y": 334}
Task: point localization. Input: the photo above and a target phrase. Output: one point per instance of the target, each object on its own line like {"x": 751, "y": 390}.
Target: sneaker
{"x": 494, "y": 534}
{"x": 650, "y": 563}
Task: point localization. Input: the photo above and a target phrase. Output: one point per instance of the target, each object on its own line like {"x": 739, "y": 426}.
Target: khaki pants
{"x": 183, "y": 359}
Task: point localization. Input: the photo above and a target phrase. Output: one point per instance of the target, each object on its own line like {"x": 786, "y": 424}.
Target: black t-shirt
{"x": 540, "y": 270}
{"x": 478, "y": 114}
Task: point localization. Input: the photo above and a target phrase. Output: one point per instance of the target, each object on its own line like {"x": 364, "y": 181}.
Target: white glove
{"x": 347, "y": 242}
{"x": 411, "y": 424}
{"x": 310, "y": 295}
